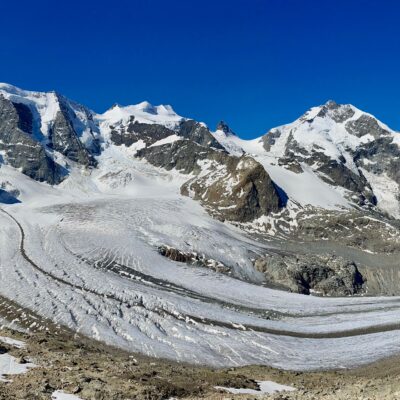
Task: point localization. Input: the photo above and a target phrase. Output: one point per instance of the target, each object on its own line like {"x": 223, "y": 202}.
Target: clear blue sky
{"x": 256, "y": 63}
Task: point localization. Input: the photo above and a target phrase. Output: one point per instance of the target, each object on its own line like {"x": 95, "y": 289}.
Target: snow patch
{"x": 61, "y": 395}
{"x": 167, "y": 140}
{"x": 9, "y": 365}
{"x": 266, "y": 387}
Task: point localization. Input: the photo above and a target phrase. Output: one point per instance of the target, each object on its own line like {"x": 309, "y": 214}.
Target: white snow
{"x": 167, "y": 140}
{"x": 19, "y": 344}
{"x": 61, "y": 395}
{"x": 143, "y": 112}
{"x": 9, "y": 365}
{"x": 266, "y": 387}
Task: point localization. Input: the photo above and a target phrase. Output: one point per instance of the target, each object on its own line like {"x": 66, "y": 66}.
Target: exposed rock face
{"x": 338, "y": 173}
{"x": 338, "y": 113}
{"x": 198, "y": 133}
{"x": 233, "y": 188}
{"x": 181, "y": 155}
{"x": 380, "y": 157}
{"x": 270, "y": 138}
{"x": 64, "y": 139}
{"x": 325, "y": 275}
{"x": 193, "y": 259}
{"x": 366, "y": 125}
{"x": 239, "y": 189}
{"x": 21, "y": 149}
{"x": 135, "y": 131}
{"x": 36, "y": 126}
{"x": 224, "y": 127}
{"x": 351, "y": 228}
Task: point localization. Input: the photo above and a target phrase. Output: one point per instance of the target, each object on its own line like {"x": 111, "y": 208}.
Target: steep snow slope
{"x": 304, "y": 188}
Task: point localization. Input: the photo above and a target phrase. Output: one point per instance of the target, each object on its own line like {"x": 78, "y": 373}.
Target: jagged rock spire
{"x": 224, "y": 127}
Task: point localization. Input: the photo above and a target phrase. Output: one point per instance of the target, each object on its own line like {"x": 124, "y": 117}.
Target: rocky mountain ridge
{"x": 332, "y": 157}
{"x": 349, "y": 152}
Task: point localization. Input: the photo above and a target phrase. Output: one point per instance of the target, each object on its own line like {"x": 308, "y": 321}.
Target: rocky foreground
{"x": 95, "y": 371}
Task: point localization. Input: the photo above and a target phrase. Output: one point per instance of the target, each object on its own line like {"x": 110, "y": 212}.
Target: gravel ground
{"x": 94, "y": 371}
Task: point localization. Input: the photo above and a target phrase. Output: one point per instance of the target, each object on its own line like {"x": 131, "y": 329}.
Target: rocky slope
{"x": 58, "y": 130}
{"x": 90, "y": 370}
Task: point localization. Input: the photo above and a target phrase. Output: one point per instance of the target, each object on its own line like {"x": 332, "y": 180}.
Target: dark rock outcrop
{"x": 238, "y": 190}
{"x": 338, "y": 112}
{"x": 270, "y": 138}
{"x": 382, "y": 156}
{"x": 198, "y": 133}
{"x": 21, "y": 149}
{"x": 324, "y": 275}
{"x": 233, "y": 188}
{"x": 64, "y": 138}
{"x": 224, "y": 127}
{"x": 366, "y": 125}
{"x": 340, "y": 175}
{"x": 193, "y": 259}
{"x": 135, "y": 131}
{"x": 182, "y": 155}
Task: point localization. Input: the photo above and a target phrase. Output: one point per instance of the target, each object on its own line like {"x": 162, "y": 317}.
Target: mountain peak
{"x": 224, "y": 127}
{"x": 331, "y": 104}
{"x": 145, "y": 106}
{"x": 115, "y": 105}
{"x": 10, "y": 88}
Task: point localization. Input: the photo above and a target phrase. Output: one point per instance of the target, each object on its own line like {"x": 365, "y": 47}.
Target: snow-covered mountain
{"x": 148, "y": 231}
{"x": 66, "y": 135}
{"x": 332, "y": 156}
